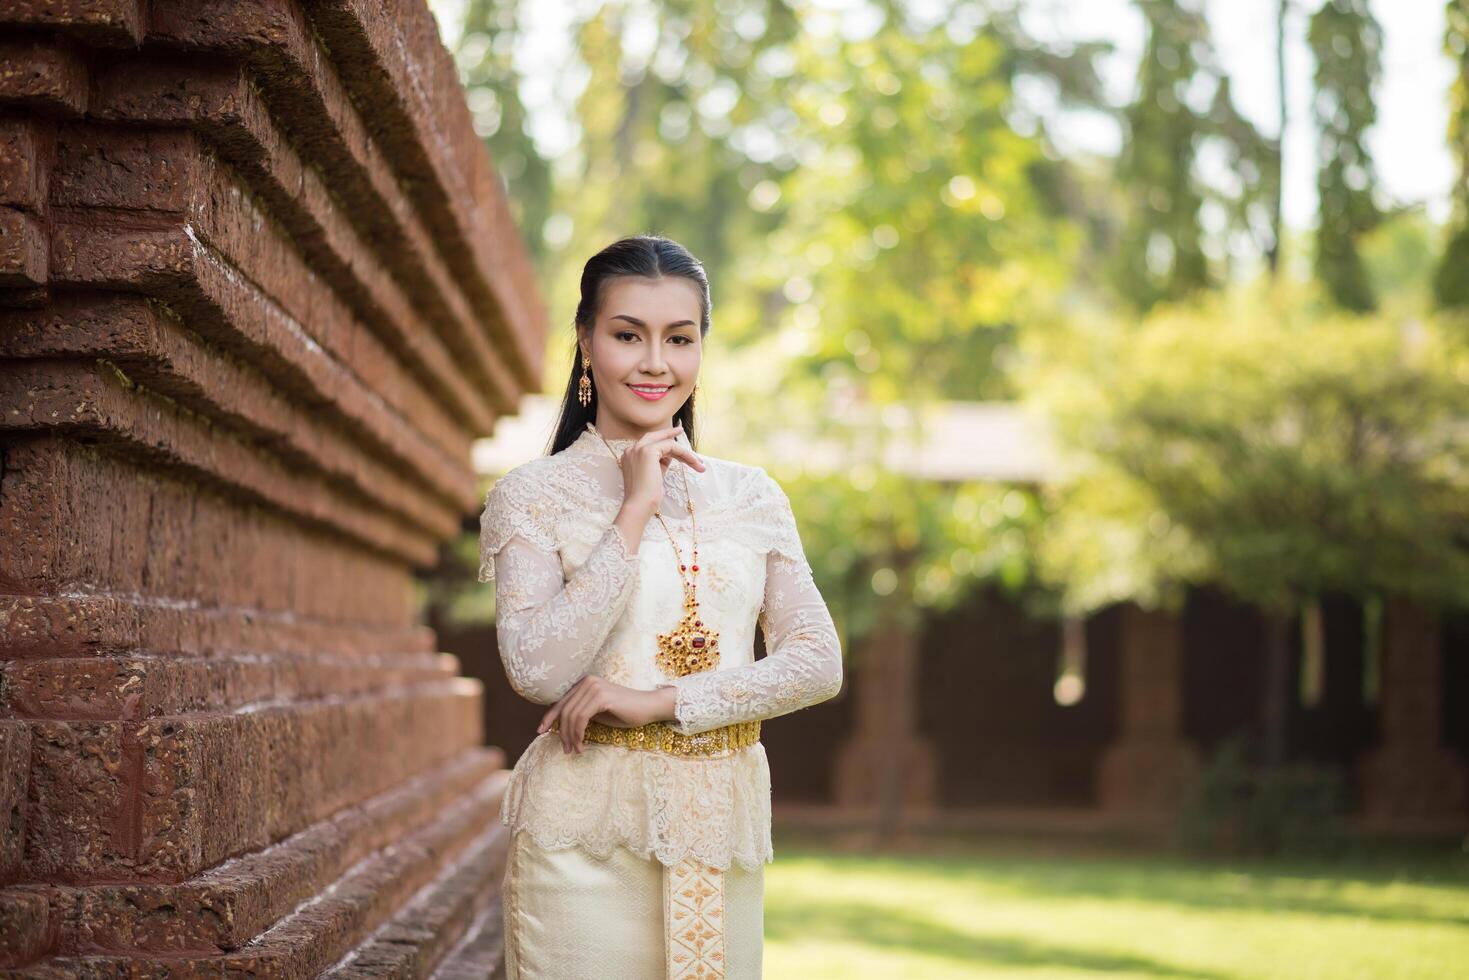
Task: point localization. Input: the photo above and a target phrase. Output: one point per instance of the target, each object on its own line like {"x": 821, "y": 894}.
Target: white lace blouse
{"x": 572, "y": 600}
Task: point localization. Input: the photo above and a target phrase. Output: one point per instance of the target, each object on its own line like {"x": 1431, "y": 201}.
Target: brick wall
{"x": 259, "y": 291}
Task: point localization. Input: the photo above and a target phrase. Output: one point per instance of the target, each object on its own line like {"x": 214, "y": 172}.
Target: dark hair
{"x": 649, "y": 256}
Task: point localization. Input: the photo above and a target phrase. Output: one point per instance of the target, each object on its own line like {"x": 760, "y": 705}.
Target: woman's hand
{"x": 596, "y": 698}
{"x": 645, "y": 462}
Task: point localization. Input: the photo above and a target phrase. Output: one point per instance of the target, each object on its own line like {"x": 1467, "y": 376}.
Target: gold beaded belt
{"x": 659, "y": 737}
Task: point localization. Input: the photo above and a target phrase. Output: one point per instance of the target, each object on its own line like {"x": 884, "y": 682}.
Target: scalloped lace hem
{"x": 657, "y": 806}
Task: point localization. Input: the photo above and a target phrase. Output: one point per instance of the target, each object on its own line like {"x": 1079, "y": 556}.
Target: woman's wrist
{"x": 668, "y": 704}
{"x": 631, "y": 522}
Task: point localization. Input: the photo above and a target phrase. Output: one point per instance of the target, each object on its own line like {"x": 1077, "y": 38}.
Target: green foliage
{"x": 912, "y": 237}
{"x": 891, "y": 548}
{"x": 1239, "y": 809}
{"x": 1347, "y": 42}
{"x": 1262, "y": 442}
{"x": 452, "y": 590}
{"x": 492, "y": 30}
{"x": 1161, "y": 253}
{"x": 1451, "y": 283}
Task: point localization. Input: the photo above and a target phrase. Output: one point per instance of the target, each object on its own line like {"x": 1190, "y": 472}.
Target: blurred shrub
{"x": 1238, "y": 808}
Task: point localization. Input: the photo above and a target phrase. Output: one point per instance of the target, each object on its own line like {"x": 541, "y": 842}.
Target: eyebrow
{"x": 632, "y": 319}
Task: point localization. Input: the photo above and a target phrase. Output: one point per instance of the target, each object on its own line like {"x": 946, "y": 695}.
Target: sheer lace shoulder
{"x": 776, "y": 518}
{"x": 518, "y": 503}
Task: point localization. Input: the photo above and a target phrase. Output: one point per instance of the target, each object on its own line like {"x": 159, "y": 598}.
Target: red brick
{"x": 88, "y": 524}
{"x": 23, "y": 249}
{"x": 77, "y": 819}
{"x": 15, "y": 756}
{"x": 44, "y": 77}
{"x": 275, "y": 39}
{"x": 155, "y": 351}
{"x": 25, "y": 153}
{"x": 99, "y": 22}
{"x": 89, "y": 399}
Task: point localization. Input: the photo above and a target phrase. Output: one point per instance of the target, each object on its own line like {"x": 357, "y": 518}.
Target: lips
{"x": 650, "y": 392}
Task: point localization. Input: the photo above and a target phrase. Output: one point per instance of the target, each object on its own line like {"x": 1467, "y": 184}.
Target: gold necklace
{"x": 690, "y": 647}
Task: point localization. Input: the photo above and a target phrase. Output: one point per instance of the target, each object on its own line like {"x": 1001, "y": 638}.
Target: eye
{"x": 625, "y": 333}
{"x": 685, "y": 338}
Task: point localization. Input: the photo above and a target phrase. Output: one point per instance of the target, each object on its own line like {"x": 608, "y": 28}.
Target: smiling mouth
{"x": 650, "y": 392}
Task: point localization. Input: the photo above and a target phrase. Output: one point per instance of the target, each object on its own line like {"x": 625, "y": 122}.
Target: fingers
{"x": 688, "y": 456}
{"x": 658, "y": 435}
{"x": 568, "y": 720}
{"x": 671, "y": 447}
{"x": 580, "y": 706}
{"x": 557, "y": 712}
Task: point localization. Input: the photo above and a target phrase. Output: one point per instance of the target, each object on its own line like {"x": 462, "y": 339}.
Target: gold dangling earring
{"x": 584, "y": 387}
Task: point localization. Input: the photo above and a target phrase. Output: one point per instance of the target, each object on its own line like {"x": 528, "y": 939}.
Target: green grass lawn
{"x": 995, "y": 908}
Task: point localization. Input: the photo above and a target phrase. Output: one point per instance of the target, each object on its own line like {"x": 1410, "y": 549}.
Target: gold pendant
{"x": 692, "y": 646}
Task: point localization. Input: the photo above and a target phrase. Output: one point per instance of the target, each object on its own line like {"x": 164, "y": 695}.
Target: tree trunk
{"x": 1275, "y": 703}
{"x": 1277, "y": 217}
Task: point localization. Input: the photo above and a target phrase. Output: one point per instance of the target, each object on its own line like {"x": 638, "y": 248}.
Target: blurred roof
{"x": 963, "y": 441}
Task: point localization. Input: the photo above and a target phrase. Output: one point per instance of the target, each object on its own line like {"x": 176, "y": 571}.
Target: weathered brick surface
{"x": 22, "y": 249}
{"x": 259, "y": 292}
{"x": 274, "y": 38}
{"x": 81, "y": 522}
{"x": 99, "y": 22}
{"x": 15, "y": 755}
{"x": 227, "y": 111}
{"x": 81, "y": 626}
{"x": 418, "y": 104}
{"x": 159, "y": 353}
{"x": 126, "y": 686}
{"x": 455, "y": 905}
{"x": 260, "y": 899}
{"x": 233, "y": 119}
{"x": 24, "y": 150}
{"x": 45, "y": 77}
{"x": 455, "y": 191}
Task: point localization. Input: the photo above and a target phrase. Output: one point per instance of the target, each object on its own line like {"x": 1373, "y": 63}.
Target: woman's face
{"x": 646, "y": 335}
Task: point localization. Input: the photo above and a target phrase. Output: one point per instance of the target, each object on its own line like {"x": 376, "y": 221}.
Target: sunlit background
{"x": 1119, "y": 383}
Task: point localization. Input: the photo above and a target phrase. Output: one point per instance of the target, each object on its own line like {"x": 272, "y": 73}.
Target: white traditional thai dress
{"x": 641, "y": 862}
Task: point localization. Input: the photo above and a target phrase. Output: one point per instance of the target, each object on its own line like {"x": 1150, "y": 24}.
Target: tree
{"x": 492, "y": 82}
{"x": 1451, "y": 283}
{"x": 1347, "y": 42}
{"x": 1161, "y": 253}
{"x": 1277, "y": 203}
{"x": 1252, "y": 442}
{"x": 1183, "y": 109}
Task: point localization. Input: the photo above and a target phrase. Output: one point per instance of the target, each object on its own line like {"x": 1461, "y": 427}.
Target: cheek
{"x": 687, "y": 357}
{"x": 617, "y": 362}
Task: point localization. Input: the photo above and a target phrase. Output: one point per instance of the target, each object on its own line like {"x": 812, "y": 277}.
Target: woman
{"x": 630, "y": 575}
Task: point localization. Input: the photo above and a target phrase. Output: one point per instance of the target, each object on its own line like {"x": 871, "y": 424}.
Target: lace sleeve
{"x": 803, "y": 661}
{"x": 548, "y": 628}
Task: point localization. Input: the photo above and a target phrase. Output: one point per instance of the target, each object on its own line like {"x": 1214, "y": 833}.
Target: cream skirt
{"x": 570, "y": 916}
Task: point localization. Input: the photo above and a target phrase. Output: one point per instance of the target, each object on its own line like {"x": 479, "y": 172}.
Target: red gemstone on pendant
{"x": 698, "y": 622}
{"x": 682, "y": 568}
{"x": 696, "y": 568}
{"x": 698, "y": 643}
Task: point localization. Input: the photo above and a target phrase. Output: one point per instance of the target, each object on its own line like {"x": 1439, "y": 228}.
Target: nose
{"x": 653, "y": 361}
